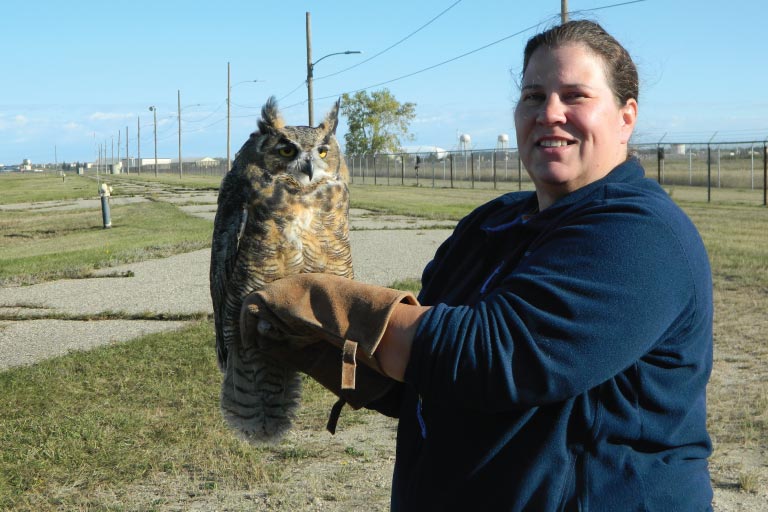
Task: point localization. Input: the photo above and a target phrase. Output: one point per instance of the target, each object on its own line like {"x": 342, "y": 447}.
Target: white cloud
{"x": 108, "y": 116}
{"x": 20, "y": 119}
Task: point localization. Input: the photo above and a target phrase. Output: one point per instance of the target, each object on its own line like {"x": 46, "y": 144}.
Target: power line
{"x": 302, "y": 84}
{"x": 408, "y": 75}
{"x": 395, "y": 44}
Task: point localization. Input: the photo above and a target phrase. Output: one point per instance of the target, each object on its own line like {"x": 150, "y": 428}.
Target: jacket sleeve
{"x": 586, "y": 302}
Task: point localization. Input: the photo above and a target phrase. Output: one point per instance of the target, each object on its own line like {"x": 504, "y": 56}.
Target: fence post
{"x": 709, "y": 173}
{"x": 472, "y": 168}
{"x": 402, "y": 169}
{"x": 374, "y": 169}
{"x": 659, "y": 158}
{"x": 519, "y": 171}
{"x": 494, "y": 170}
{"x": 451, "y": 159}
{"x": 389, "y": 159}
{"x": 433, "y": 173}
{"x": 765, "y": 174}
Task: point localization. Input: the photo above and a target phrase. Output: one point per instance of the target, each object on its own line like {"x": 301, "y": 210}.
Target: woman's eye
{"x": 322, "y": 152}
{"x": 576, "y": 95}
{"x": 532, "y": 97}
{"x": 287, "y": 152}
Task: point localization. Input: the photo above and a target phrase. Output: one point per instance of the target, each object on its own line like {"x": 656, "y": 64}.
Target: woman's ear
{"x": 629, "y": 119}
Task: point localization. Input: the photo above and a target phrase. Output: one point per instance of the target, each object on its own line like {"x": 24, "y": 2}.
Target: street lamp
{"x": 153, "y": 109}
{"x": 311, "y": 66}
{"x": 229, "y": 93}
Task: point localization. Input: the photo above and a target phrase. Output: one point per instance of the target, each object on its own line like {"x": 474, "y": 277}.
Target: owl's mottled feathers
{"x": 282, "y": 210}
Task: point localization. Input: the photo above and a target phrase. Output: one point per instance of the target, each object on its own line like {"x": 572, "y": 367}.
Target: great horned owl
{"x": 282, "y": 210}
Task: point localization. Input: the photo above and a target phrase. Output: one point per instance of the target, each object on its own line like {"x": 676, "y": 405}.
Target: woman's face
{"x": 570, "y": 130}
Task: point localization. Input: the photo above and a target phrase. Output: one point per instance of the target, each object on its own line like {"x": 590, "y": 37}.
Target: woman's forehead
{"x": 572, "y": 64}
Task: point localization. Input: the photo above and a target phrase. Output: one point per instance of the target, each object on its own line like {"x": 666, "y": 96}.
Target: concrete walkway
{"x": 47, "y": 319}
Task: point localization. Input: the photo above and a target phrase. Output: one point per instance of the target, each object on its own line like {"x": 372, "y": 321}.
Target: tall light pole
{"x": 563, "y": 11}
{"x": 311, "y": 67}
{"x": 179, "y": 113}
{"x": 229, "y": 116}
{"x": 153, "y": 109}
{"x": 138, "y": 143}
{"x": 178, "y": 97}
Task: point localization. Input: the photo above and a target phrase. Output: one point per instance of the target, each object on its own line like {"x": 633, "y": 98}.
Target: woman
{"x": 560, "y": 358}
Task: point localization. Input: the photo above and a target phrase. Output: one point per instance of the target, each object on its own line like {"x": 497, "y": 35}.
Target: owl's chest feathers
{"x": 294, "y": 233}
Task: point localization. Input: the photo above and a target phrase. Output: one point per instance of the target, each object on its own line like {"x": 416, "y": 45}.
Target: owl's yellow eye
{"x": 322, "y": 152}
{"x": 287, "y": 151}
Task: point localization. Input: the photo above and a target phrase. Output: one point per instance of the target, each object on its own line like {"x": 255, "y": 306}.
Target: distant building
{"x": 205, "y": 161}
{"x": 434, "y": 152}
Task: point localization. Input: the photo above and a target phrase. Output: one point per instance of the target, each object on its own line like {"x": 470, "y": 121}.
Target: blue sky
{"x": 75, "y": 74}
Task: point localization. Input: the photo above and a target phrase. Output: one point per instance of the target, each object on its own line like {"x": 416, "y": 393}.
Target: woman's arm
{"x": 394, "y": 349}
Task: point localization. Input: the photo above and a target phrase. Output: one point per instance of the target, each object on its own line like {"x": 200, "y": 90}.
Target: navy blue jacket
{"x": 565, "y": 362}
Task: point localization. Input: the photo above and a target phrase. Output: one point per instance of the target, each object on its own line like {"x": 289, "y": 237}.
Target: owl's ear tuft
{"x": 331, "y": 120}
{"x": 271, "y": 119}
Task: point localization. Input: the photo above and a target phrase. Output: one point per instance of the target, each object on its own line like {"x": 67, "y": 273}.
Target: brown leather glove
{"x": 316, "y": 323}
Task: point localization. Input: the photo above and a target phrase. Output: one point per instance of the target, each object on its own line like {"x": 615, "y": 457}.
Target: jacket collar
{"x": 514, "y": 215}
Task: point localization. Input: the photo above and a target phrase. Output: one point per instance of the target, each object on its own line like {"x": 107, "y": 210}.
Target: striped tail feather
{"x": 259, "y": 395}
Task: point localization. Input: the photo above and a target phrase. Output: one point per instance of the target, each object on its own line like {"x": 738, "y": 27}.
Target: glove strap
{"x": 333, "y": 418}
{"x": 348, "y": 364}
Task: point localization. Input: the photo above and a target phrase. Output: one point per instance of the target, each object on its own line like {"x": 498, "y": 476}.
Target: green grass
{"x": 167, "y": 180}
{"x": 437, "y": 203}
{"x": 71, "y": 243}
{"x": 36, "y": 187}
{"x": 72, "y": 425}
{"x": 735, "y": 237}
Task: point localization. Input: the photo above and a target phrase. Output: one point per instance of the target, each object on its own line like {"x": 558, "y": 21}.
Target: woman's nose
{"x": 552, "y": 111}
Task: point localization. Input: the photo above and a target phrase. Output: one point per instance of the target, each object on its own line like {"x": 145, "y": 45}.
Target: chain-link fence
{"x": 499, "y": 169}
{"x": 732, "y": 171}
{"x": 722, "y": 171}
{"x": 708, "y": 171}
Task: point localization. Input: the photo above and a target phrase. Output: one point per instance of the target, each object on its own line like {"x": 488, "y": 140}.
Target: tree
{"x": 376, "y": 123}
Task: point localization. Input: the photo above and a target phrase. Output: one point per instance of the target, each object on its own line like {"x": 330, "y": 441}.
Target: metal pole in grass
{"x": 765, "y": 172}
{"x": 494, "y": 169}
{"x": 660, "y": 158}
{"x": 709, "y": 173}
{"x": 433, "y": 173}
{"x": 153, "y": 109}
{"x": 519, "y": 171}
{"x": 709, "y": 168}
{"x": 472, "y": 159}
{"x": 451, "y": 170}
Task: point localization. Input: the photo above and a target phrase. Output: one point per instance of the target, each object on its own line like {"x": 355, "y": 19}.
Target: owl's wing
{"x": 228, "y": 226}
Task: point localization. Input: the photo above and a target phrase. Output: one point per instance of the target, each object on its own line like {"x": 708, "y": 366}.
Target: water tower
{"x": 502, "y": 142}
{"x": 465, "y": 142}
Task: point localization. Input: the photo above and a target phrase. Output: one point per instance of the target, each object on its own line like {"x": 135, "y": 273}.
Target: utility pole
{"x": 179, "y": 107}
{"x": 119, "y": 136}
{"x": 154, "y": 112}
{"x": 563, "y": 11}
{"x": 309, "y": 72}
{"x": 127, "y": 151}
{"x": 229, "y": 118}
{"x": 138, "y": 143}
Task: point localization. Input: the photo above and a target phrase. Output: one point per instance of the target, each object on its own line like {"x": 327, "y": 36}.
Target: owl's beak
{"x": 307, "y": 168}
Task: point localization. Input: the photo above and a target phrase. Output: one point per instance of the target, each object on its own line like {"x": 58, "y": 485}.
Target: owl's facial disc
{"x": 309, "y": 166}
